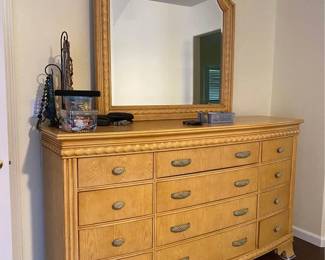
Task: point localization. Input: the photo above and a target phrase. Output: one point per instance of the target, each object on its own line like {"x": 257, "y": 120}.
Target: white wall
{"x": 254, "y": 52}
{"x": 37, "y": 28}
{"x": 299, "y": 92}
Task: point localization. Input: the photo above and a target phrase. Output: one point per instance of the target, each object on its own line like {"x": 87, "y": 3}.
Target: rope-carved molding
{"x": 158, "y": 146}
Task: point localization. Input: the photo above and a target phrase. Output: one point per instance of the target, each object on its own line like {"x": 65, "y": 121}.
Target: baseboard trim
{"x": 309, "y": 237}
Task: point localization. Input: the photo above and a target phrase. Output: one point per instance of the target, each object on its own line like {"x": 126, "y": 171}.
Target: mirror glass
{"x": 165, "y": 52}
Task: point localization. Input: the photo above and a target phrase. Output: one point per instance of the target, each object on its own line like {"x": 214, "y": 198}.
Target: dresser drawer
{"x": 273, "y": 201}
{"x": 275, "y": 174}
{"x": 105, "y": 242}
{"x": 191, "y": 223}
{"x": 114, "y": 169}
{"x": 277, "y": 149}
{"x": 196, "y": 190}
{"x": 114, "y": 204}
{"x": 219, "y": 247}
{"x": 273, "y": 228}
{"x": 205, "y": 159}
{"x": 140, "y": 257}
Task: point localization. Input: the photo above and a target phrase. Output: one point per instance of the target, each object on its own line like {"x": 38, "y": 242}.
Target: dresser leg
{"x": 286, "y": 251}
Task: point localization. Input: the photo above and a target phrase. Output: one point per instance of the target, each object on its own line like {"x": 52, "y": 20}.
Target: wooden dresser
{"x": 160, "y": 190}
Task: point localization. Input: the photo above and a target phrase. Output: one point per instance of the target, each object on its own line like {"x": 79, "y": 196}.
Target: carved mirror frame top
{"x": 103, "y": 70}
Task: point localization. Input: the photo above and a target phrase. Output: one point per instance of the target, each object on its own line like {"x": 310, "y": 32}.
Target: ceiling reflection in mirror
{"x": 165, "y": 52}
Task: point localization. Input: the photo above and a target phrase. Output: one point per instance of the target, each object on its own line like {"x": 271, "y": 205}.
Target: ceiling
{"x": 181, "y": 2}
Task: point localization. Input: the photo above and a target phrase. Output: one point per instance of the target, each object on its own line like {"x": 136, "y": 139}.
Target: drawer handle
{"x": 243, "y": 155}
{"x": 280, "y": 150}
{"x": 277, "y": 229}
{"x": 185, "y": 258}
{"x": 181, "y": 163}
{"x": 276, "y": 201}
{"x": 180, "y": 228}
{"x": 240, "y": 212}
{"x": 181, "y": 195}
{"x": 278, "y": 175}
{"x": 241, "y": 183}
{"x": 240, "y": 242}
{"x": 117, "y": 171}
{"x": 118, "y": 242}
{"x": 118, "y": 205}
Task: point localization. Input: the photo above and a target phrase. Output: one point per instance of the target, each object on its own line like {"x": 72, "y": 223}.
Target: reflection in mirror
{"x": 165, "y": 52}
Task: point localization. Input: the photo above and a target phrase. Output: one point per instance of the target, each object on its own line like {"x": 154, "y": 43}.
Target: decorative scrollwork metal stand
{"x": 48, "y": 105}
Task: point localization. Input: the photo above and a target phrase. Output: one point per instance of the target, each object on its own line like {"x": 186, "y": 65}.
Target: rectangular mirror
{"x": 165, "y": 57}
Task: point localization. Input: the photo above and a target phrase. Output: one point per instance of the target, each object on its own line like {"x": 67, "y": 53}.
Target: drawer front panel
{"x": 277, "y": 149}
{"x": 114, "y": 169}
{"x": 205, "y": 159}
{"x": 241, "y": 154}
{"x": 114, "y": 204}
{"x": 140, "y": 257}
{"x": 196, "y": 190}
{"x": 275, "y": 174}
{"x": 219, "y": 247}
{"x": 274, "y": 200}
{"x": 273, "y": 228}
{"x": 179, "y": 226}
{"x": 105, "y": 242}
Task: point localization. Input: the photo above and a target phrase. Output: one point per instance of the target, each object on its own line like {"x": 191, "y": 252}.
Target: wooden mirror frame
{"x": 143, "y": 112}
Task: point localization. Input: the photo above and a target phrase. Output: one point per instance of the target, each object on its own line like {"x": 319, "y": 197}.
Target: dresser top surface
{"x": 172, "y": 127}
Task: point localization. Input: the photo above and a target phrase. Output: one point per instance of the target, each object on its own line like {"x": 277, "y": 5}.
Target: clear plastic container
{"x": 78, "y": 103}
{"x": 79, "y": 121}
{"x": 221, "y": 117}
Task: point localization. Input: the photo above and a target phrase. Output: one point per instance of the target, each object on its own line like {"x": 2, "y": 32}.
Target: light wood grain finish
{"x": 97, "y": 243}
{"x": 211, "y": 211}
{"x": 274, "y": 201}
{"x": 273, "y": 228}
{"x": 204, "y": 220}
{"x": 54, "y": 206}
{"x": 204, "y": 159}
{"x": 114, "y": 169}
{"x": 275, "y": 174}
{"x": 208, "y": 188}
{"x": 140, "y": 257}
{"x": 217, "y": 247}
{"x": 277, "y": 149}
{"x": 114, "y": 204}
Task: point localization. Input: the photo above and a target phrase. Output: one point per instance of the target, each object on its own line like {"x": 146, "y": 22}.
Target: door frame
{"x": 13, "y": 133}
{"x": 6, "y": 245}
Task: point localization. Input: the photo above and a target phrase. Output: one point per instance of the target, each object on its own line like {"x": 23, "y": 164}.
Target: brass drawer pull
{"x": 276, "y": 201}
{"x": 117, "y": 171}
{"x": 240, "y": 212}
{"x": 240, "y": 242}
{"x": 118, "y": 242}
{"x": 185, "y": 258}
{"x": 180, "y": 228}
{"x": 241, "y": 183}
{"x": 278, "y": 175}
{"x": 118, "y": 205}
{"x": 280, "y": 150}
{"x": 181, "y": 163}
{"x": 181, "y": 195}
{"x": 243, "y": 155}
{"x": 277, "y": 229}
{"x": 1, "y": 164}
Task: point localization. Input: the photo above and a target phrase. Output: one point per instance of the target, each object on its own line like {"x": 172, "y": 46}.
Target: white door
{"x": 5, "y": 210}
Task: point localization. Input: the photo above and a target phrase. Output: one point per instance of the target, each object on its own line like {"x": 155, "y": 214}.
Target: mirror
{"x": 169, "y": 58}
{"x": 176, "y": 52}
